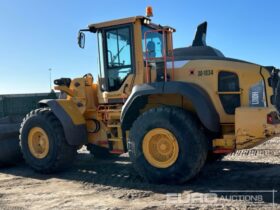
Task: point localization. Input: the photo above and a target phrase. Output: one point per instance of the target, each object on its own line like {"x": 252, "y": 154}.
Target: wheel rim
{"x": 160, "y": 148}
{"x": 38, "y": 143}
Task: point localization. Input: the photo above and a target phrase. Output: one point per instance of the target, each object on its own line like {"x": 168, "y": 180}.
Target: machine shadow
{"x": 222, "y": 176}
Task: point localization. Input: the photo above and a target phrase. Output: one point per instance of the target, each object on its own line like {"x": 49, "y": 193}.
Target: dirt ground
{"x": 113, "y": 184}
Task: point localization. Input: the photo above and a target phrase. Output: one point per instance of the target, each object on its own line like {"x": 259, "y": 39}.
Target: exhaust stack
{"x": 200, "y": 36}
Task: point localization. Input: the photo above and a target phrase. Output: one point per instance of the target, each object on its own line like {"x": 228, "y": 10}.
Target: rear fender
{"x": 200, "y": 99}
{"x": 73, "y": 122}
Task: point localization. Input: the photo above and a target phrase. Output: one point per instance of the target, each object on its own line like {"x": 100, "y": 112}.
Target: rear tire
{"x": 59, "y": 154}
{"x": 190, "y": 138}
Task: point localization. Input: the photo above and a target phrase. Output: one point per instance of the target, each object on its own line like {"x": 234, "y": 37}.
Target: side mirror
{"x": 81, "y": 39}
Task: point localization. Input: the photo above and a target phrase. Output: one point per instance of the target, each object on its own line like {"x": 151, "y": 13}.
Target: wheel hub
{"x": 38, "y": 142}
{"x": 160, "y": 148}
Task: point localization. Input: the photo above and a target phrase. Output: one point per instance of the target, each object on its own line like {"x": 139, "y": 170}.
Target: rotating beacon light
{"x": 149, "y": 11}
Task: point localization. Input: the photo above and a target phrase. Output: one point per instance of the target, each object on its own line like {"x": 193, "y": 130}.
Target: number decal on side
{"x": 205, "y": 73}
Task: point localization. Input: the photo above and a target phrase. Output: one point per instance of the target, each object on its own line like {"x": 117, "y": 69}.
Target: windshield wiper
{"x": 117, "y": 55}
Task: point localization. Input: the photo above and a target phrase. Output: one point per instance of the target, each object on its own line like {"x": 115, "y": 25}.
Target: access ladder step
{"x": 117, "y": 151}
{"x": 114, "y": 126}
{"x": 115, "y": 139}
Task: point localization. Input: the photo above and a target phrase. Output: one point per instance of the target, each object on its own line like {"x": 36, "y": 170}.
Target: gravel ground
{"x": 113, "y": 184}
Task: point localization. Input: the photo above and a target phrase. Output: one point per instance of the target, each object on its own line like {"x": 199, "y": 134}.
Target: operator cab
{"x": 127, "y": 47}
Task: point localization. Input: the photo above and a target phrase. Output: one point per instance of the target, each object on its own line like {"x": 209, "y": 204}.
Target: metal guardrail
{"x": 21, "y": 104}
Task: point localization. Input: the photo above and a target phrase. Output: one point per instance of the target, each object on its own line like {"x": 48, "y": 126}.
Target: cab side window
{"x": 229, "y": 91}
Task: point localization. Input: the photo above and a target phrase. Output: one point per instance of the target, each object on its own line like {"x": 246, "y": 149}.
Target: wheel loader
{"x": 168, "y": 108}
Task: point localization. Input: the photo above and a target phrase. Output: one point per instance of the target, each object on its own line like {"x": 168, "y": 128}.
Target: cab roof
{"x": 95, "y": 26}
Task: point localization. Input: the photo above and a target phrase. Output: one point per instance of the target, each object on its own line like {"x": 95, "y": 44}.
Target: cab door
{"x": 116, "y": 58}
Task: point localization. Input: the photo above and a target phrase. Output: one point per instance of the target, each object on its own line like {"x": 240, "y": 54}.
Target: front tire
{"x": 166, "y": 145}
{"x": 43, "y": 142}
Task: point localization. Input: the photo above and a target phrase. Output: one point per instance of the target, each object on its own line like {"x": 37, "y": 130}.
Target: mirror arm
{"x": 86, "y": 30}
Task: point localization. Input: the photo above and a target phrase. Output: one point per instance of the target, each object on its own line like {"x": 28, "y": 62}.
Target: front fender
{"x": 73, "y": 122}
{"x": 201, "y": 101}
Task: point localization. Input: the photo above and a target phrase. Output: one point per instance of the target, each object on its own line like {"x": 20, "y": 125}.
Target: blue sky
{"x": 37, "y": 35}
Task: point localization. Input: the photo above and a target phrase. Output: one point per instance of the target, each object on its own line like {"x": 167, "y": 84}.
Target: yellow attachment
{"x": 160, "y": 148}
{"x": 78, "y": 91}
{"x": 65, "y": 89}
{"x": 88, "y": 80}
{"x": 72, "y": 110}
{"x": 251, "y": 127}
{"x": 38, "y": 143}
